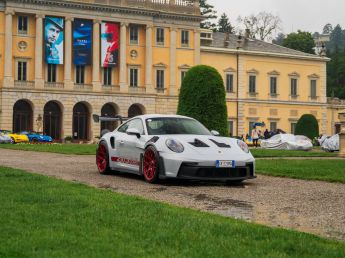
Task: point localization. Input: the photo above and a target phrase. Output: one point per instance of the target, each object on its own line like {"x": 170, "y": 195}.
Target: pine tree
{"x": 224, "y": 24}
{"x": 209, "y": 14}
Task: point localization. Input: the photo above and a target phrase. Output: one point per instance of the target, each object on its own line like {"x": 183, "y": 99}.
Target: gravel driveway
{"x": 309, "y": 206}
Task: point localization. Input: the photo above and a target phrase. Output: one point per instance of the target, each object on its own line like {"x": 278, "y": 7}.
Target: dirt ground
{"x": 308, "y": 206}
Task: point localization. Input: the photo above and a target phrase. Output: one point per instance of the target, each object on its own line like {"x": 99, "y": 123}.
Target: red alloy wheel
{"x": 101, "y": 159}
{"x": 150, "y": 165}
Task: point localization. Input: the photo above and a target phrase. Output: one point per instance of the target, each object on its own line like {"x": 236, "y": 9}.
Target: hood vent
{"x": 199, "y": 144}
{"x": 220, "y": 144}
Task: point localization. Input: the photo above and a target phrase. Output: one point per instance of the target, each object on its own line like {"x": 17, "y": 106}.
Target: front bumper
{"x": 194, "y": 171}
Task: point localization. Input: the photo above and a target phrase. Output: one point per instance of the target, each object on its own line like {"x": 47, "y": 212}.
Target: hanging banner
{"x": 82, "y": 42}
{"x": 53, "y": 40}
{"x": 110, "y": 44}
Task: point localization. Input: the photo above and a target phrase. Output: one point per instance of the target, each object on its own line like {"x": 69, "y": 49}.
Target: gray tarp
{"x": 287, "y": 142}
{"x": 329, "y": 143}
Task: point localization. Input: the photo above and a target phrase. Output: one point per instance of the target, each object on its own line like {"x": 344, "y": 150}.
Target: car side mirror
{"x": 133, "y": 131}
{"x": 215, "y": 133}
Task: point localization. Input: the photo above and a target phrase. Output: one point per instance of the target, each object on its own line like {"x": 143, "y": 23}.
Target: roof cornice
{"x": 112, "y": 8}
{"x": 259, "y": 53}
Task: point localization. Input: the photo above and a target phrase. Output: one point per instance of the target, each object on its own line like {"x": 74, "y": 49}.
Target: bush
{"x": 202, "y": 97}
{"x": 308, "y": 126}
{"x": 68, "y": 138}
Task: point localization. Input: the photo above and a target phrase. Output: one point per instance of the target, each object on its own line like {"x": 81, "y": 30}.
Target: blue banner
{"x": 53, "y": 40}
{"x": 82, "y": 42}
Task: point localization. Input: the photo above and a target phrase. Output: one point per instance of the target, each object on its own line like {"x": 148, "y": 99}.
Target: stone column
{"x": 173, "y": 89}
{"x": 96, "y": 56}
{"x": 341, "y": 117}
{"x": 8, "y": 69}
{"x": 123, "y": 58}
{"x": 39, "y": 81}
{"x": 68, "y": 81}
{"x": 196, "y": 47}
{"x": 148, "y": 60}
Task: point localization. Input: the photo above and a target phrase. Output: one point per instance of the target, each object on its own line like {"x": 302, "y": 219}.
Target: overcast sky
{"x": 295, "y": 14}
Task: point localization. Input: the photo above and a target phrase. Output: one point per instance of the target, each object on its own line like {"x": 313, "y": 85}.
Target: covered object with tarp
{"x": 287, "y": 142}
{"x": 329, "y": 143}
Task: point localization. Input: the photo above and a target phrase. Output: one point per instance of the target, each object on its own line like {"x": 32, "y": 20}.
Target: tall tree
{"x": 327, "y": 29}
{"x": 261, "y": 26}
{"x": 209, "y": 13}
{"x": 279, "y": 39}
{"x": 224, "y": 24}
{"x": 337, "y": 40}
{"x": 302, "y": 41}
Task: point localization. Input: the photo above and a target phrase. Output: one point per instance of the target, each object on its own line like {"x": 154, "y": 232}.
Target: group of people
{"x": 257, "y": 134}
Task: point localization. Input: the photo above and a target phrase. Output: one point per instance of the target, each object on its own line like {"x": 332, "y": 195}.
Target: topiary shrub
{"x": 202, "y": 97}
{"x": 308, "y": 126}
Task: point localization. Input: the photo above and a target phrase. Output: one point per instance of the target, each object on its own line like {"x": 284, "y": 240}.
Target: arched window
{"x": 52, "y": 120}
{"x": 22, "y": 116}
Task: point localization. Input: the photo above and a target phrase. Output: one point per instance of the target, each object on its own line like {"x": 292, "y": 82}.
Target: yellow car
{"x": 17, "y": 138}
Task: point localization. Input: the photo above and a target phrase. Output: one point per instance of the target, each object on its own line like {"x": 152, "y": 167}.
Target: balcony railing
{"x": 83, "y": 87}
{"x": 53, "y": 85}
{"x": 24, "y": 84}
{"x": 111, "y": 88}
{"x": 173, "y": 6}
{"x": 161, "y": 90}
{"x": 136, "y": 89}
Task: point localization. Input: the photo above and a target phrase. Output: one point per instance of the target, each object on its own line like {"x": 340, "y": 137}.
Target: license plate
{"x": 225, "y": 164}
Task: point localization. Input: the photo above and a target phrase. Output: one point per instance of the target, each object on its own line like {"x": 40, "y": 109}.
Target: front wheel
{"x": 151, "y": 165}
{"x": 102, "y": 159}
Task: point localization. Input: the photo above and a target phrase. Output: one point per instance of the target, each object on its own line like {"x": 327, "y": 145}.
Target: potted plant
{"x": 68, "y": 139}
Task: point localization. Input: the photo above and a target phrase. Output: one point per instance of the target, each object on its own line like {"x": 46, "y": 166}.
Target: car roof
{"x": 144, "y": 117}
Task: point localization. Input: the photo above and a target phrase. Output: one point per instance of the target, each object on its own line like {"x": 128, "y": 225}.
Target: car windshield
{"x": 175, "y": 125}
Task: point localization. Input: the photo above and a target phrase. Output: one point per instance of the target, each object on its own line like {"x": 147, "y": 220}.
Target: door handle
{"x": 122, "y": 142}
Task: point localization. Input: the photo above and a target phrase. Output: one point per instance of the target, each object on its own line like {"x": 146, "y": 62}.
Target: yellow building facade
{"x": 158, "y": 42}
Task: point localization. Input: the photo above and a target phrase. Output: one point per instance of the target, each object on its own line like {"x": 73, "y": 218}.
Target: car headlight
{"x": 243, "y": 146}
{"x": 174, "y": 145}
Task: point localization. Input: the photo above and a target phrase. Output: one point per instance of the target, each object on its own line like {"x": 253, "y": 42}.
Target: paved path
{"x": 309, "y": 206}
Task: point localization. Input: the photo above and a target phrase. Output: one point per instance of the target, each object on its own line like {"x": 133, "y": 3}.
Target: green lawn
{"x": 261, "y": 153}
{"x": 324, "y": 170}
{"x": 77, "y": 149}
{"x": 46, "y": 217}
{"x": 90, "y": 149}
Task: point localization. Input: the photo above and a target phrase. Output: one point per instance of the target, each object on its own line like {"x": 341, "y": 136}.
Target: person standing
{"x": 255, "y": 136}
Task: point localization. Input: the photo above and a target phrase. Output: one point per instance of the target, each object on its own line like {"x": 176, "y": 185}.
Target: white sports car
{"x": 163, "y": 146}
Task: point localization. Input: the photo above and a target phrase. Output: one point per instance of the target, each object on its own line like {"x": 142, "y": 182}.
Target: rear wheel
{"x": 102, "y": 159}
{"x": 13, "y": 141}
{"x": 151, "y": 165}
{"x": 34, "y": 140}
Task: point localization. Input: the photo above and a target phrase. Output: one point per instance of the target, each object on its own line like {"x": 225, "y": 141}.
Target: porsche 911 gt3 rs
{"x": 170, "y": 146}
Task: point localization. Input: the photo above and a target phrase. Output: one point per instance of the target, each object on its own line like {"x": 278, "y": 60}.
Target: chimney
{"x": 240, "y": 42}
{"x": 227, "y": 39}
{"x": 247, "y": 34}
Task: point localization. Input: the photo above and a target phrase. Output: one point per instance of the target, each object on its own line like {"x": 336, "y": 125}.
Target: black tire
{"x": 34, "y": 140}
{"x": 13, "y": 141}
{"x": 102, "y": 159}
{"x": 150, "y": 165}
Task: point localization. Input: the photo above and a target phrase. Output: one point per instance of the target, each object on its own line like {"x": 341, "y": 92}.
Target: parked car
{"x": 330, "y": 143}
{"x": 4, "y": 138}
{"x": 37, "y": 137}
{"x": 287, "y": 142}
{"x": 16, "y": 138}
{"x": 162, "y": 146}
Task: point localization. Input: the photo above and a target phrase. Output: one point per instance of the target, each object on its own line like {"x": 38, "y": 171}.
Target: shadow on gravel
{"x": 184, "y": 182}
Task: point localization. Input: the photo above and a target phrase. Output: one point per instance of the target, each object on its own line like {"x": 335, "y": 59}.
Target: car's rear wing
{"x": 97, "y": 118}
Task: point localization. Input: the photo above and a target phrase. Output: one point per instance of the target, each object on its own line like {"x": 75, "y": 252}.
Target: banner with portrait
{"x": 82, "y": 42}
{"x": 53, "y": 40}
{"x": 109, "y": 44}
